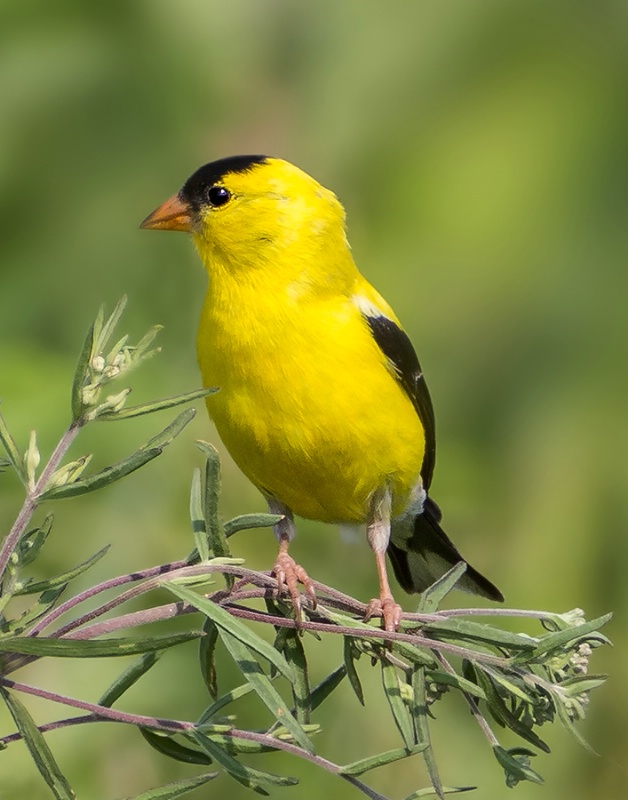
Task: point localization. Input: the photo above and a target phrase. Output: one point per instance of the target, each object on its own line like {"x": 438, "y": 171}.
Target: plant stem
{"x": 171, "y": 725}
{"x": 33, "y": 496}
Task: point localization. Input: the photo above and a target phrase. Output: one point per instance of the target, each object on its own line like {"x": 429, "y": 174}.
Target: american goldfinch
{"x": 322, "y": 401}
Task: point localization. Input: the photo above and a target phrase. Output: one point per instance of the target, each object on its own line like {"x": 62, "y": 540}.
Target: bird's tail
{"x": 427, "y": 553}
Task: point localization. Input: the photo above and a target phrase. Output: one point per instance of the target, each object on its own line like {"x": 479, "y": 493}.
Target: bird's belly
{"x": 324, "y": 445}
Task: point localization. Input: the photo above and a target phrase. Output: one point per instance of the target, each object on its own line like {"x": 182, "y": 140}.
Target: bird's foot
{"x": 388, "y": 609}
{"x": 288, "y": 574}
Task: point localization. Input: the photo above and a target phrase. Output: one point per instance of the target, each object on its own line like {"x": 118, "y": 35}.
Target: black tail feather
{"x": 428, "y": 553}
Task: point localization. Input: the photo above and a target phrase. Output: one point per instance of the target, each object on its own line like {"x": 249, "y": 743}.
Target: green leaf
{"x": 569, "y": 724}
{"x": 432, "y": 597}
{"x": 130, "y": 676}
{"x": 455, "y": 629}
{"x": 380, "y": 760}
{"x": 232, "y": 625}
{"x": 157, "y": 405}
{"x": 103, "y": 332}
{"x": 264, "y": 688}
{"x": 121, "y": 469}
{"x": 321, "y": 692}
{"x": 9, "y": 444}
{"x": 207, "y": 647}
{"x": 352, "y": 673}
{"x": 31, "y": 543}
{"x": 81, "y": 373}
{"x": 171, "y": 748}
{"x": 502, "y": 714}
{"x": 400, "y": 711}
{"x": 247, "y": 522}
{"x": 580, "y": 684}
{"x": 245, "y": 775}
{"x": 450, "y": 679}
{"x": 515, "y": 764}
{"x": 88, "y": 648}
{"x": 38, "y": 748}
{"x": 45, "y": 602}
{"x": 176, "y": 789}
{"x": 294, "y": 653}
{"x": 4, "y": 464}
{"x": 226, "y": 699}
{"x": 431, "y": 792}
{"x": 33, "y": 587}
{"x": 198, "y": 519}
{"x": 513, "y": 684}
{"x": 215, "y": 532}
{"x": 561, "y": 639}
{"x": 421, "y": 726}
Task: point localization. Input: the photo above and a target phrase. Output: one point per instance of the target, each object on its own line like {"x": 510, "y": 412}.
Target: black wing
{"x": 395, "y": 344}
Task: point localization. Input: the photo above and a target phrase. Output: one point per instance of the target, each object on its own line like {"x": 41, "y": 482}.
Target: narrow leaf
{"x": 235, "y": 745}
{"x": 422, "y": 728}
{"x": 502, "y": 714}
{"x": 32, "y": 542}
{"x": 431, "y": 792}
{"x": 81, "y": 373}
{"x": 177, "y": 789}
{"x": 168, "y": 746}
{"x": 157, "y": 405}
{"x": 130, "y": 676}
{"x": 365, "y": 764}
{"x": 294, "y": 652}
{"x": 88, "y": 648}
{"x": 352, "y": 673}
{"x": 568, "y": 723}
{"x": 103, "y": 335}
{"x": 515, "y": 767}
{"x": 584, "y": 683}
{"x": 264, "y": 688}
{"x": 432, "y": 597}
{"x": 121, "y": 469}
{"x": 215, "y": 531}
{"x": 44, "y": 603}
{"x": 226, "y": 699}
{"x": 38, "y": 747}
{"x": 63, "y": 578}
{"x": 11, "y": 448}
{"x": 170, "y": 432}
{"x": 449, "y": 679}
{"x": 565, "y": 637}
{"x": 198, "y": 518}
{"x": 247, "y": 522}
{"x": 456, "y": 629}
{"x": 232, "y": 625}
{"x": 321, "y": 692}
{"x": 397, "y": 705}
{"x": 244, "y": 774}
{"x": 207, "y": 648}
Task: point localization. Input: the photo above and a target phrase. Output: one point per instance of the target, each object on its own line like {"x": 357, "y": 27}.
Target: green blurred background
{"x": 480, "y": 150}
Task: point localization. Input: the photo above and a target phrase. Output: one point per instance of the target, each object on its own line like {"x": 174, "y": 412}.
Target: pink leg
{"x": 286, "y": 569}
{"x": 378, "y": 534}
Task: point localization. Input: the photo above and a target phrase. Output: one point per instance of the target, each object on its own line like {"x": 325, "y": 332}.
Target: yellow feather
{"x": 309, "y": 407}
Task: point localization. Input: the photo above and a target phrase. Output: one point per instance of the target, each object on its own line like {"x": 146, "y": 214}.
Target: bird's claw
{"x": 288, "y": 574}
{"x": 388, "y": 609}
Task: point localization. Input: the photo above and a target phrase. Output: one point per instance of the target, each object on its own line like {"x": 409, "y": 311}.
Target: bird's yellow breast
{"x": 308, "y": 406}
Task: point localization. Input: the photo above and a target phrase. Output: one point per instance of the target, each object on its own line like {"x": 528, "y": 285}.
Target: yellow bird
{"x": 322, "y": 402}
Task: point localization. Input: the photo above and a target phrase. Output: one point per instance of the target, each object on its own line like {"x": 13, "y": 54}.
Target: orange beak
{"x": 173, "y": 215}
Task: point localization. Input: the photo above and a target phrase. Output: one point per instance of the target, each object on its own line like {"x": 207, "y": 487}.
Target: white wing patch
{"x": 367, "y": 307}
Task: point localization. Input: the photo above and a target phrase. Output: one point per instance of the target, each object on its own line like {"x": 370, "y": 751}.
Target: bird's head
{"x": 246, "y": 212}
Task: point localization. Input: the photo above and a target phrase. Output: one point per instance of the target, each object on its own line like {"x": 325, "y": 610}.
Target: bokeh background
{"x": 480, "y": 150}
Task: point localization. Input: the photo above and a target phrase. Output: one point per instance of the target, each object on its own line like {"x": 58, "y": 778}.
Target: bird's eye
{"x": 218, "y": 195}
